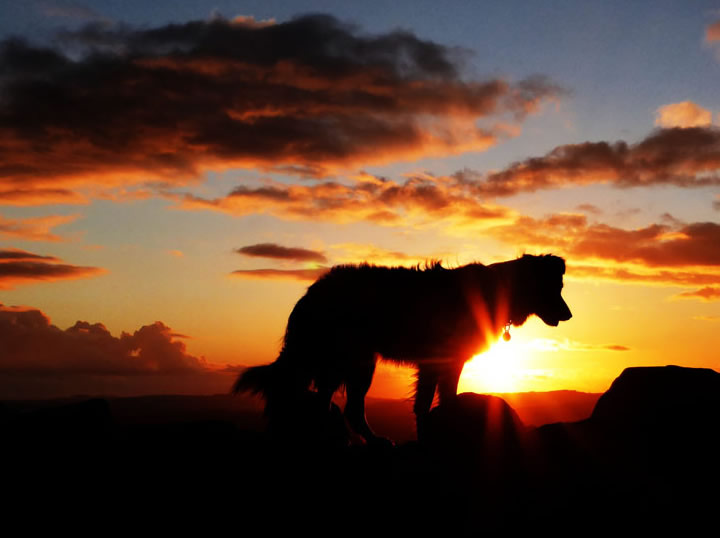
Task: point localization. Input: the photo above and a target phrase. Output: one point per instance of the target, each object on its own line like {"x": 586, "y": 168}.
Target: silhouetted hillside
{"x": 646, "y": 456}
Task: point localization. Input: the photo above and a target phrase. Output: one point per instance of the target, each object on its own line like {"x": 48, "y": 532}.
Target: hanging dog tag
{"x": 506, "y": 333}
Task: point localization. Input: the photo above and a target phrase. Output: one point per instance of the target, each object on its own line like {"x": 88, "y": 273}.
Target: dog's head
{"x": 539, "y": 281}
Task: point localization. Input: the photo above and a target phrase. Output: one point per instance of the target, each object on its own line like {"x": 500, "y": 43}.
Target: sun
{"x": 502, "y": 368}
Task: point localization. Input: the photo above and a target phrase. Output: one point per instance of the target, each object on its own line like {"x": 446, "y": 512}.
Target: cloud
{"x": 662, "y": 277}
{"x": 68, "y": 10}
{"x": 34, "y": 349}
{"x": 274, "y": 251}
{"x": 342, "y": 253}
{"x": 358, "y": 253}
{"x": 18, "y": 267}
{"x": 707, "y": 294}
{"x": 421, "y": 199}
{"x": 589, "y": 208}
{"x": 114, "y": 105}
{"x": 684, "y": 114}
{"x": 707, "y": 318}
{"x": 22, "y": 255}
{"x": 282, "y": 274}
{"x": 34, "y": 228}
{"x": 682, "y": 157}
{"x": 656, "y": 245}
{"x": 39, "y": 196}
{"x": 712, "y": 33}
{"x": 550, "y": 344}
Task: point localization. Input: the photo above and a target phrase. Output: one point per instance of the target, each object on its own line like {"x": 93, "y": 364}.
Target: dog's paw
{"x": 380, "y": 443}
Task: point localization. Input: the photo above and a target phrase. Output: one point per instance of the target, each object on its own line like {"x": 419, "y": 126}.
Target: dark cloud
{"x": 707, "y": 294}
{"x": 272, "y": 250}
{"x": 282, "y": 274}
{"x": 22, "y": 255}
{"x": 656, "y": 245}
{"x": 34, "y": 348}
{"x": 18, "y": 267}
{"x": 113, "y": 104}
{"x": 687, "y": 157}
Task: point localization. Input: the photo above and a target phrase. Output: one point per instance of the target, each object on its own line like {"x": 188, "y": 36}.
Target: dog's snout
{"x": 566, "y": 315}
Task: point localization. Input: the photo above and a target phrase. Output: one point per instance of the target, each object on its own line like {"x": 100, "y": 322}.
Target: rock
{"x": 476, "y": 428}
{"x": 667, "y": 396}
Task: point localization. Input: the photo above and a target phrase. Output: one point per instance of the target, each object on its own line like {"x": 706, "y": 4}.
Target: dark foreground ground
{"x": 647, "y": 458}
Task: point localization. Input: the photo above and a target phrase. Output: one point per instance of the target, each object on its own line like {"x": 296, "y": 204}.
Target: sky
{"x": 174, "y": 175}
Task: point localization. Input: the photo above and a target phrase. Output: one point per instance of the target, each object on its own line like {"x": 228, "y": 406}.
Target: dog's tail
{"x": 257, "y": 380}
{"x": 278, "y": 383}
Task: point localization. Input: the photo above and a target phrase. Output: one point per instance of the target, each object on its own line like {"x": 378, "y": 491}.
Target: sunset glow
{"x": 505, "y": 367}
{"x": 172, "y": 180}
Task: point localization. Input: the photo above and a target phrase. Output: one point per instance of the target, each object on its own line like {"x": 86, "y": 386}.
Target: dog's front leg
{"x": 427, "y": 380}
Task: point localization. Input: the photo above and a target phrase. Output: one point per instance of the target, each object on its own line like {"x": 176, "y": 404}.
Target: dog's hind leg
{"x": 427, "y": 381}
{"x": 448, "y": 382}
{"x": 357, "y": 383}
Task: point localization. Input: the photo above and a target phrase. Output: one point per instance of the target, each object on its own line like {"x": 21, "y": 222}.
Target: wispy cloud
{"x": 18, "y": 267}
{"x": 34, "y": 228}
{"x": 550, "y": 344}
{"x": 282, "y": 274}
{"x": 708, "y": 293}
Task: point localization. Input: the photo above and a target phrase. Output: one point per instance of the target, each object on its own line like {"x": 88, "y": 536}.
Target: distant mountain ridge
{"x": 392, "y": 418}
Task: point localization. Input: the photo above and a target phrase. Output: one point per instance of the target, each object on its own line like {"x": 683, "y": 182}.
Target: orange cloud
{"x": 712, "y": 32}
{"x": 666, "y": 245}
{"x": 273, "y": 251}
{"x": 683, "y": 157}
{"x": 18, "y": 267}
{"x": 420, "y": 199}
{"x": 311, "y": 94}
{"x": 39, "y": 196}
{"x": 707, "y": 294}
{"x": 684, "y": 114}
{"x": 34, "y": 228}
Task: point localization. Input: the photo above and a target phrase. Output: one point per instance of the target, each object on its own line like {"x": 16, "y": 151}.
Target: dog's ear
{"x": 555, "y": 263}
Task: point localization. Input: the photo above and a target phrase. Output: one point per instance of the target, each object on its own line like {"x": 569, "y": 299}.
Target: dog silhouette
{"x": 430, "y": 317}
